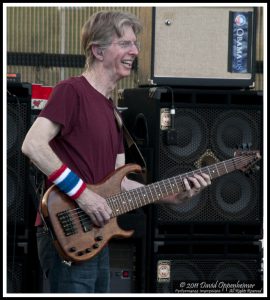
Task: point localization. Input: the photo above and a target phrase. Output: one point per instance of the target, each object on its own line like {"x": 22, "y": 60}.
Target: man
{"x": 76, "y": 141}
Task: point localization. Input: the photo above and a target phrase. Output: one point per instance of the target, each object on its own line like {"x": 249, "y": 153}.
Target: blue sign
{"x": 240, "y": 42}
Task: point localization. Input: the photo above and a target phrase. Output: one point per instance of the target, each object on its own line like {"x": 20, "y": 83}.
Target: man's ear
{"x": 98, "y": 52}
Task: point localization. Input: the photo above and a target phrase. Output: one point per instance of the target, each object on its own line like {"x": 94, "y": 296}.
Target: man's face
{"x": 119, "y": 56}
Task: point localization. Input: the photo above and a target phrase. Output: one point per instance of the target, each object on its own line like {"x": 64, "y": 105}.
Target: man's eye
{"x": 125, "y": 43}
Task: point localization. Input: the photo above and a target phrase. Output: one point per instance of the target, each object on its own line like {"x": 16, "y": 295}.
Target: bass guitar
{"x": 77, "y": 239}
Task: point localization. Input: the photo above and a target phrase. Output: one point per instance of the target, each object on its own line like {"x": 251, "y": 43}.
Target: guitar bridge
{"x": 85, "y": 222}
{"x": 66, "y": 222}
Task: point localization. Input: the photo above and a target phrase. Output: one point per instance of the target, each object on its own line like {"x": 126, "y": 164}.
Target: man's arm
{"x": 36, "y": 147}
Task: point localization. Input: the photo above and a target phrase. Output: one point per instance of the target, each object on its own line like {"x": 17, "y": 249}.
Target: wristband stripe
{"x": 68, "y": 182}
{"x": 62, "y": 176}
{"x": 75, "y": 188}
{"x": 57, "y": 173}
{"x": 79, "y": 191}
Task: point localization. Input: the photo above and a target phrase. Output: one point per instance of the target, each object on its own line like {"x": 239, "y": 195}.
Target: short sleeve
{"x": 62, "y": 106}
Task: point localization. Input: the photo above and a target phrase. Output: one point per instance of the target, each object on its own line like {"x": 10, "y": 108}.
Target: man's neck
{"x": 100, "y": 81}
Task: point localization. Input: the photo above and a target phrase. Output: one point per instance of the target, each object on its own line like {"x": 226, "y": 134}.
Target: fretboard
{"x": 139, "y": 197}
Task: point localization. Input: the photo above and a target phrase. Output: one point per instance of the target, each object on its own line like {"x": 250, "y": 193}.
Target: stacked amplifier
{"x": 223, "y": 225}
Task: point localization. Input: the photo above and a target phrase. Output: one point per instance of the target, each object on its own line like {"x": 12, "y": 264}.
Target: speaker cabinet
{"x": 18, "y": 123}
{"x": 207, "y": 267}
{"x": 16, "y": 274}
{"x": 22, "y": 259}
{"x": 204, "y": 46}
{"x": 122, "y": 275}
{"x": 208, "y": 125}
{"x": 128, "y": 265}
{"x": 22, "y": 266}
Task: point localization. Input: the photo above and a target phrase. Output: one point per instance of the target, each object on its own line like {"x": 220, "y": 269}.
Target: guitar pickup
{"x": 66, "y": 223}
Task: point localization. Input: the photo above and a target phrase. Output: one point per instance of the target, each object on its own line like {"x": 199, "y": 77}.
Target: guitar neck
{"x": 130, "y": 200}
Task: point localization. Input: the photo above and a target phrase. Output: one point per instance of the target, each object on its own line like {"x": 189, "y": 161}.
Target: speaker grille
{"x": 18, "y": 123}
{"x": 197, "y": 271}
{"x": 15, "y": 274}
{"x": 211, "y": 262}
{"x": 233, "y": 127}
{"x": 233, "y": 197}
{"x": 192, "y": 137}
{"x": 221, "y": 131}
{"x": 206, "y": 136}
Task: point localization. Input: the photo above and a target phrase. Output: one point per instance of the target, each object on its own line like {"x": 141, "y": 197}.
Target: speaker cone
{"x": 233, "y": 128}
{"x": 192, "y": 136}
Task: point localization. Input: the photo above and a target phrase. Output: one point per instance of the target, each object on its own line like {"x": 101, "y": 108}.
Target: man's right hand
{"x": 95, "y": 206}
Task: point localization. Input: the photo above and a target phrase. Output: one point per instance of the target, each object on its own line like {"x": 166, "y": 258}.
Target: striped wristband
{"x": 68, "y": 182}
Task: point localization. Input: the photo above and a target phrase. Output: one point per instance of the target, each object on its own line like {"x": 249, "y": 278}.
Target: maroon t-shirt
{"x": 89, "y": 139}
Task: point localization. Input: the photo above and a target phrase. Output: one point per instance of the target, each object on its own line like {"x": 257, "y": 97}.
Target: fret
{"x": 129, "y": 199}
{"x": 154, "y": 192}
{"x": 113, "y": 208}
{"x": 149, "y": 187}
{"x": 174, "y": 185}
{"x": 212, "y": 173}
{"x": 221, "y": 168}
{"x": 225, "y": 167}
{"x": 182, "y": 182}
{"x": 157, "y": 186}
{"x": 174, "y": 178}
{"x": 171, "y": 186}
{"x": 142, "y": 195}
{"x": 145, "y": 196}
{"x": 217, "y": 169}
{"x": 112, "y": 203}
{"x": 123, "y": 204}
{"x": 133, "y": 201}
{"x": 117, "y": 204}
{"x": 165, "y": 186}
{"x": 135, "y": 198}
{"x": 234, "y": 163}
{"x": 209, "y": 172}
{"x": 117, "y": 210}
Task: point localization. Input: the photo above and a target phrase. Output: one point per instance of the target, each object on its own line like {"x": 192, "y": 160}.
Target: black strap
{"x": 134, "y": 154}
{"x": 138, "y": 157}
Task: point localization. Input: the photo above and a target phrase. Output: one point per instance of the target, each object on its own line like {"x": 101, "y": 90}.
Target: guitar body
{"x": 75, "y": 240}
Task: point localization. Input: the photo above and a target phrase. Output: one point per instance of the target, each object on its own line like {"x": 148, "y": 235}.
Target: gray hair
{"x": 102, "y": 26}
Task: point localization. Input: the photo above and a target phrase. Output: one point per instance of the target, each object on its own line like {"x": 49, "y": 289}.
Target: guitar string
{"x": 78, "y": 212}
{"x": 159, "y": 185}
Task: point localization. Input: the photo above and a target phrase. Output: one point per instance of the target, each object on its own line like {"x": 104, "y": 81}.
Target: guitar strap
{"x": 134, "y": 154}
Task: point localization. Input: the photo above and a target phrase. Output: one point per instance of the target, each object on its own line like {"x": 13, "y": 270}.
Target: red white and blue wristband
{"x": 68, "y": 182}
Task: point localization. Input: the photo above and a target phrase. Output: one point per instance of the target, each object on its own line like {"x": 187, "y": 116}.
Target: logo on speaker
{"x": 163, "y": 271}
{"x": 240, "y": 20}
{"x": 165, "y": 118}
